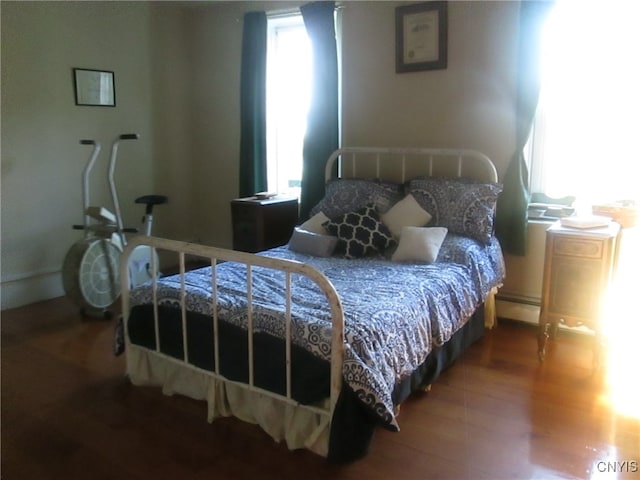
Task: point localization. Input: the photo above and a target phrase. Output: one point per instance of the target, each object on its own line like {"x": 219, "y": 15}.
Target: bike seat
{"x": 151, "y": 200}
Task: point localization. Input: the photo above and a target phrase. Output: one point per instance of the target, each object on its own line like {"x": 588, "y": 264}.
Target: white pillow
{"x": 314, "y": 224}
{"x": 419, "y": 244}
{"x": 406, "y": 213}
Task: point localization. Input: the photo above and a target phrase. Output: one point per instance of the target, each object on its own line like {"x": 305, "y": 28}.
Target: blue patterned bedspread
{"x": 395, "y": 313}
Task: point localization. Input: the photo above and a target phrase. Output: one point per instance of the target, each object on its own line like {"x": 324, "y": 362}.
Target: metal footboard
{"x": 215, "y": 256}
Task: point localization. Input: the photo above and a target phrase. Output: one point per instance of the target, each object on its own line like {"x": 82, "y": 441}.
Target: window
{"x": 289, "y": 71}
{"x": 583, "y": 140}
{"x": 584, "y": 144}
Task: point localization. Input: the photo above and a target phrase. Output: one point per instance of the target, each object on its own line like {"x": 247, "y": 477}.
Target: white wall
{"x": 469, "y": 104}
{"x": 172, "y": 120}
{"x": 521, "y": 294}
{"x": 216, "y": 41}
{"x": 42, "y": 160}
{"x": 215, "y": 48}
{"x": 177, "y": 67}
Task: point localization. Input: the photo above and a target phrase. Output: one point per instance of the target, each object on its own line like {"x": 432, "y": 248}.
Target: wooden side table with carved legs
{"x": 579, "y": 265}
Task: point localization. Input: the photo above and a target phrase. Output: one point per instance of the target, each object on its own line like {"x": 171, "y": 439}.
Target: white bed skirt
{"x": 297, "y": 426}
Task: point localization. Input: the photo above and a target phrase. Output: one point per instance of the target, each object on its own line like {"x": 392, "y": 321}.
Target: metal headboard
{"x": 401, "y": 164}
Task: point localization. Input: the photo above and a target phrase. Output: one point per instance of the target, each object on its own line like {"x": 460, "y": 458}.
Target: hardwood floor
{"x": 69, "y": 413}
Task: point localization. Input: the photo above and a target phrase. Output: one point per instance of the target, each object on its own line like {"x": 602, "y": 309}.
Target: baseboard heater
{"x": 521, "y": 294}
{"x": 518, "y": 308}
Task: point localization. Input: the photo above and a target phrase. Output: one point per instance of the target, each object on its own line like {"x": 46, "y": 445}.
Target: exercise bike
{"x": 91, "y": 269}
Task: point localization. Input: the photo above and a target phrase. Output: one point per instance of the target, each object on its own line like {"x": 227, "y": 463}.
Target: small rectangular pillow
{"x": 360, "y": 233}
{"x": 406, "y": 213}
{"x": 419, "y": 244}
{"x": 309, "y": 243}
{"x": 464, "y": 206}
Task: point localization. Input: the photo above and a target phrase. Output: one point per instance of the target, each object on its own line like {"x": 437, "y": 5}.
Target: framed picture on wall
{"x": 94, "y": 87}
{"x": 421, "y": 37}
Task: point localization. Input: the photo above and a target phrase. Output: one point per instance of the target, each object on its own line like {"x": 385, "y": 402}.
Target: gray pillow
{"x": 310, "y": 243}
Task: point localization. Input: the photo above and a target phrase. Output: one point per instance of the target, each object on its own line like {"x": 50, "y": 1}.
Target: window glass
{"x": 289, "y": 71}
{"x": 584, "y": 141}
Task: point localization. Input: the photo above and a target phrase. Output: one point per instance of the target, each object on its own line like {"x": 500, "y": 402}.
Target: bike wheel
{"x": 91, "y": 273}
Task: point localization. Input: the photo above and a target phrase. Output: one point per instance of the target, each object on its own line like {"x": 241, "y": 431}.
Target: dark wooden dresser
{"x": 260, "y": 224}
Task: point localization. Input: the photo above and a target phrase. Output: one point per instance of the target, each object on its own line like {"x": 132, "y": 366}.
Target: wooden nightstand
{"x": 260, "y": 224}
{"x": 578, "y": 267}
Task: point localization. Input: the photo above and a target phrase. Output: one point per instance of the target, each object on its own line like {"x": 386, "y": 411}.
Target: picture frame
{"x": 94, "y": 88}
{"x": 421, "y": 36}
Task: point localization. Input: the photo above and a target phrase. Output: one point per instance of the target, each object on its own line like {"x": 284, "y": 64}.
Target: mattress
{"x": 395, "y": 314}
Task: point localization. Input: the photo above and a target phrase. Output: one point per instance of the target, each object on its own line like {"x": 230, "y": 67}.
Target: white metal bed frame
{"x": 348, "y": 160}
{"x": 215, "y": 256}
{"x": 465, "y": 159}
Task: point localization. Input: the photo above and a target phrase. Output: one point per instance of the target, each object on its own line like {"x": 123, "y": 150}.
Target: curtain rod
{"x": 283, "y": 12}
{"x": 286, "y": 12}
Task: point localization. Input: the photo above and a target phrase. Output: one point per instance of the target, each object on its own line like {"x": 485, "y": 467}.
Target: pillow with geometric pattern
{"x": 343, "y": 195}
{"x": 360, "y": 233}
{"x": 462, "y": 205}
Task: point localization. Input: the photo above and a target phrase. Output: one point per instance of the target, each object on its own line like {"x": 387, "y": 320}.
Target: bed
{"x": 388, "y": 281}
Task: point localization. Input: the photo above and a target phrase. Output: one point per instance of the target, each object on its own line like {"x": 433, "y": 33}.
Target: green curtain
{"x": 511, "y": 214}
{"x": 253, "y": 105}
{"x": 321, "y": 138}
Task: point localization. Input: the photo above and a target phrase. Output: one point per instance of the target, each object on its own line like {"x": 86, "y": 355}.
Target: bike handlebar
{"x": 124, "y": 136}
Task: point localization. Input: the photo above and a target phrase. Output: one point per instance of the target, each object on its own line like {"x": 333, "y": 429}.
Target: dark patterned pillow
{"x": 464, "y": 206}
{"x": 360, "y": 233}
{"x": 349, "y": 194}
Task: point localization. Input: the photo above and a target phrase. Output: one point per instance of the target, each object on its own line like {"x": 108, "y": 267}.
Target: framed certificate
{"x": 421, "y": 37}
{"x": 94, "y": 87}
